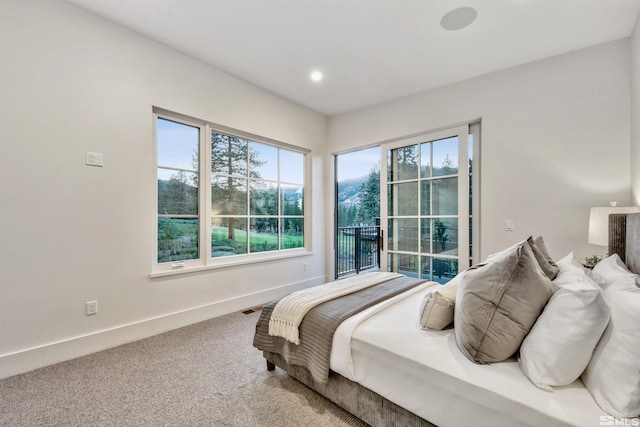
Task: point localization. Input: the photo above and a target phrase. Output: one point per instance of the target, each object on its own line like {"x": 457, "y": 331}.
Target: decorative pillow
{"x": 539, "y": 241}
{"x": 540, "y": 251}
{"x": 613, "y": 374}
{"x": 559, "y": 346}
{"x": 496, "y": 255}
{"x": 611, "y": 269}
{"x": 437, "y": 308}
{"x": 497, "y": 304}
{"x": 544, "y": 260}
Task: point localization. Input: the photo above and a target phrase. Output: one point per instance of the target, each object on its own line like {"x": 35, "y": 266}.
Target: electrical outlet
{"x": 92, "y": 308}
{"x": 306, "y": 266}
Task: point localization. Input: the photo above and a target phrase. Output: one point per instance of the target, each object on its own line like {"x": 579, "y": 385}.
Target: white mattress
{"x": 384, "y": 349}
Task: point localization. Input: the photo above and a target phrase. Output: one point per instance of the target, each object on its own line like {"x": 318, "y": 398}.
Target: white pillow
{"x": 612, "y": 268}
{"x": 558, "y": 347}
{"x": 613, "y": 374}
{"x": 437, "y": 308}
{"x": 569, "y": 261}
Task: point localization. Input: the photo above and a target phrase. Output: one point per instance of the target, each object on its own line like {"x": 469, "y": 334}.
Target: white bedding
{"x": 383, "y": 349}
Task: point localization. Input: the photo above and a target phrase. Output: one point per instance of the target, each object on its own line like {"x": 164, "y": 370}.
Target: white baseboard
{"x": 48, "y": 354}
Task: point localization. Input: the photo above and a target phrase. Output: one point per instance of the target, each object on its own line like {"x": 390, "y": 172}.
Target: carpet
{"x": 206, "y": 374}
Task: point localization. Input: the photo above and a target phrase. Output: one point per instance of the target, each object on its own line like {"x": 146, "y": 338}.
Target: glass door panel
{"x": 439, "y": 270}
{"x": 445, "y": 157}
{"x": 402, "y": 199}
{"x": 427, "y": 199}
{"x": 445, "y": 236}
{"x": 406, "y": 264}
{"x": 402, "y": 163}
{"x": 444, "y": 196}
{"x": 403, "y": 234}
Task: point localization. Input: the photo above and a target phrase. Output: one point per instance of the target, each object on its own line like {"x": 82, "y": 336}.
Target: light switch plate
{"x": 508, "y": 225}
{"x": 95, "y": 159}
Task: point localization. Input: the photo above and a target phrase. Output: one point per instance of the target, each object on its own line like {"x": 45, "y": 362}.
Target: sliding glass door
{"x": 427, "y": 203}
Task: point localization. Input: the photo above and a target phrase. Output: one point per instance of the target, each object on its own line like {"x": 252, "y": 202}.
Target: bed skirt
{"x": 365, "y": 404}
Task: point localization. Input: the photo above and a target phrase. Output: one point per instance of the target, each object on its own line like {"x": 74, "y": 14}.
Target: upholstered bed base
{"x": 365, "y": 404}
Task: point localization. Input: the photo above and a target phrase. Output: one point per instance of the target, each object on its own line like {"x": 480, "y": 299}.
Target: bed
{"x": 387, "y": 371}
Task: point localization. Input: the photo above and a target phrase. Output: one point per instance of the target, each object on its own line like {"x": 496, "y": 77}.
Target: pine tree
{"x": 369, "y": 198}
{"x": 230, "y": 158}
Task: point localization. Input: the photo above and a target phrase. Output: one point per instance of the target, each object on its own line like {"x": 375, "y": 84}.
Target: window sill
{"x": 227, "y": 262}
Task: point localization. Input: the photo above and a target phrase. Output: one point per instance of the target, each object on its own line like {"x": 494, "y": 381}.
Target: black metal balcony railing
{"x": 357, "y": 249}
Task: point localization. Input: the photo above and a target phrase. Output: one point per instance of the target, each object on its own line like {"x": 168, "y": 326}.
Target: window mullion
{"x": 463, "y": 198}
{"x": 205, "y": 192}
{"x": 279, "y": 201}
{"x": 248, "y": 211}
{"x": 156, "y": 193}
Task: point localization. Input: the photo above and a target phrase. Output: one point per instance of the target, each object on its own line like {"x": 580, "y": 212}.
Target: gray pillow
{"x": 546, "y": 263}
{"x": 497, "y": 305}
{"x": 437, "y": 308}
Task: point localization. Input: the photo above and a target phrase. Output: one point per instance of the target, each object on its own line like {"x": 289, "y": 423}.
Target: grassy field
{"x": 178, "y": 240}
{"x": 258, "y": 242}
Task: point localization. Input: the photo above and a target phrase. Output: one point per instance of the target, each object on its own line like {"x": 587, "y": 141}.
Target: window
{"x": 256, "y": 197}
{"x": 224, "y": 195}
{"x": 178, "y": 201}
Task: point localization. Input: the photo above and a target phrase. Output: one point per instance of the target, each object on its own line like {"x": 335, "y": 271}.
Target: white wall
{"x": 635, "y": 112}
{"x": 555, "y": 141}
{"x": 72, "y": 82}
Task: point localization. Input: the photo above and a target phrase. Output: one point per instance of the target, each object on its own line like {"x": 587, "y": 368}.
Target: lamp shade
{"x": 599, "y": 222}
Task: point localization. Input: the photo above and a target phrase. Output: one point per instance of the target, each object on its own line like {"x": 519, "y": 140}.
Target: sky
{"x": 178, "y": 142}
{"x": 357, "y": 164}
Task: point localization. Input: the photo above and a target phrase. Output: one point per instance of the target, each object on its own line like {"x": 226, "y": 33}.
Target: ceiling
{"x": 369, "y": 51}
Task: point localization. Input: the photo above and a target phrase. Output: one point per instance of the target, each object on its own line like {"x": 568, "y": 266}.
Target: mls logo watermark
{"x": 608, "y": 420}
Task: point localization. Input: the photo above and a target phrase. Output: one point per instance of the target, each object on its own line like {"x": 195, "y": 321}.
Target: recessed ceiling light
{"x": 316, "y": 76}
{"x": 459, "y": 18}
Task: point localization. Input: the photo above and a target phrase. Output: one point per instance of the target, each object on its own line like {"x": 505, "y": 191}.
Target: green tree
{"x": 230, "y": 158}
{"x": 177, "y": 196}
{"x": 347, "y": 213}
{"x": 169, "y": 235}
{"x": 407, "y": 158}
{"x": 291, "y": 201}
{"x": 448, "y": 168}
{"x": 369, "y": 198}
{"x": 264, "y": 202}
{"x": 440, "y": 234}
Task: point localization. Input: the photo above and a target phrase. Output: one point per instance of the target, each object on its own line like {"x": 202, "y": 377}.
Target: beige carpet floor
{"x": 207, "y": 374}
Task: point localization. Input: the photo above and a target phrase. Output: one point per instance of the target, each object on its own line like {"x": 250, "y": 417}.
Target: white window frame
{"x": 205, "y": 261}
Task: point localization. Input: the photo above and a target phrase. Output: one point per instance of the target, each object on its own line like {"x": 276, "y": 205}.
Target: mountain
{"x": 348, "y": 190}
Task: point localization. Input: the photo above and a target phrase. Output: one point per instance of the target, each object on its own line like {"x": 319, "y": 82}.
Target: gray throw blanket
{"x": 320, "y": 323}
